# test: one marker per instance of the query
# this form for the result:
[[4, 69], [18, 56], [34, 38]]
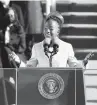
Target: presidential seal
[[51, 86]]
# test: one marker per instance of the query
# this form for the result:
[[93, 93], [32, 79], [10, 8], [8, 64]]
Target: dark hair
[[56, 19]]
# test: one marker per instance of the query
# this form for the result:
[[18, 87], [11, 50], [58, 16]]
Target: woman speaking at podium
[[52, 51]]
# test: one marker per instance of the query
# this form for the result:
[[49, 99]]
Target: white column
[[53, 5], [48, 6]]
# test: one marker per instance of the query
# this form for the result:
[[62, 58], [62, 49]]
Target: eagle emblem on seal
[[51, 85]]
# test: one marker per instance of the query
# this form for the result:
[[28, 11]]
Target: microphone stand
[[50, 60], [52, 53]]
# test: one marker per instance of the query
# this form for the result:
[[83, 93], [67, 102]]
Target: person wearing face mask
[[52, 51]]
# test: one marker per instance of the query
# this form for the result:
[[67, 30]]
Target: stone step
[[90, 86], [90, 71], [89, 26], [91, 103], [82, 43], [80, 19], [84, 14], [90, 80], [78, 31], [78, 37], [76, 1], [76, 7], [91, 94]]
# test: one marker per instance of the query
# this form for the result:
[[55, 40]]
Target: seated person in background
[[12, 37], [52, 51], [17, 42], [17, 34]]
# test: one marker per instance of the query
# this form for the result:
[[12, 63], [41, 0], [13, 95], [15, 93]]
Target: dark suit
[[17, 38], [4, 22]]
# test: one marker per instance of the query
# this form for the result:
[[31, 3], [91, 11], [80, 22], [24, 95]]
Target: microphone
[[55, 45], [46, 45]]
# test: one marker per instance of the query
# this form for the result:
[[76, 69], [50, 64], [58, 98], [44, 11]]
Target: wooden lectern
[[50, 86]]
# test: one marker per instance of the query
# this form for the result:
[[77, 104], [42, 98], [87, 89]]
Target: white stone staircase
[[90, 84]]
